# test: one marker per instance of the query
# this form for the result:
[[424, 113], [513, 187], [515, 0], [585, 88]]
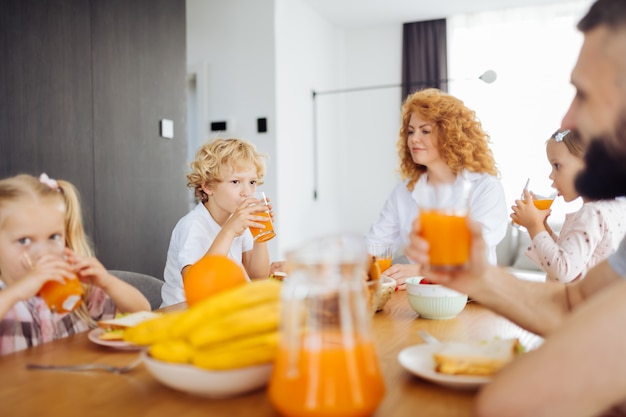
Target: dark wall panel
[[139, 78], [83, 85], [46, 119]]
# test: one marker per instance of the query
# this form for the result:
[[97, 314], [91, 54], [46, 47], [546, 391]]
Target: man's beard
[[604, 175]]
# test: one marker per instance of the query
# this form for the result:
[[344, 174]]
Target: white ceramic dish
[[94, 336], [202, 382], [419, 361], [433, 301]]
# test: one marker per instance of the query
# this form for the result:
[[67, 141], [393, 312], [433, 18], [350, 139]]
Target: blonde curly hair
[[461, 141], [217, 155]]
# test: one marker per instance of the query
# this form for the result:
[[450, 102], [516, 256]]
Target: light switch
[[167, 128]]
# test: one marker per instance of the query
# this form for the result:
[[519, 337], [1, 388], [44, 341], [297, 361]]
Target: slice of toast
[[128, 320], [483, 358]]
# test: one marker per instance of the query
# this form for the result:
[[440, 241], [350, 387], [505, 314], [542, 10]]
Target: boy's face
[[226, 195], [35, 229]]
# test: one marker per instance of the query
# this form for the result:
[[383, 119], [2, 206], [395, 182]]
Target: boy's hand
[[245, 216]]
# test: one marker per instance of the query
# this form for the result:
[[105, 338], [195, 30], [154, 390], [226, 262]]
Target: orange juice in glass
[[382, 252], [61, 297], [543, 201], [266, 233], [443, 211]]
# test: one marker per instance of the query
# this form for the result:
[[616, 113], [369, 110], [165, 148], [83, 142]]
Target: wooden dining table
[[26, 392]]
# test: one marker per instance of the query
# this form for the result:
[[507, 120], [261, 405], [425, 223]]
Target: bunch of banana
[[232, 329]]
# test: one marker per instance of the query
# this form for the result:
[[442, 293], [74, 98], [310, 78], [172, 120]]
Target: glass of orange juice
[[266, 233], [542, 195], [443, 211], [383, 253], [61, 297]]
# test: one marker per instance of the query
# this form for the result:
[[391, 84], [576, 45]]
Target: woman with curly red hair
[[441, 140]]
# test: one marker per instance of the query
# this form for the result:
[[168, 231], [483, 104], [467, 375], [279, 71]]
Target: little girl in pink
[[588, 235]]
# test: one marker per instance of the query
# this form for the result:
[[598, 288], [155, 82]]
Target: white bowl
[[213, 384], [433, 301], [387, 288]]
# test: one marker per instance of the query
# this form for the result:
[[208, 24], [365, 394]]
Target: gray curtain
[[424, 56]]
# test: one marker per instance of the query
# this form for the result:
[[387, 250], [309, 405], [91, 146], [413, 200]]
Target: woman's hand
[[400, 272]]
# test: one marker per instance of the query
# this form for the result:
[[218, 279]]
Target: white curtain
[[533, 51]]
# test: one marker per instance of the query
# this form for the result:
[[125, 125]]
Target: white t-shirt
[[487, 207], [191, 239]]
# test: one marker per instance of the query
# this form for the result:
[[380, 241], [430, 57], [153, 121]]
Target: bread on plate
[[483, 358], [114, 328]]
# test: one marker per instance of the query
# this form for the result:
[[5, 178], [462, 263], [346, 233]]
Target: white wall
[[265, 57], [232, 44], [309, 54]]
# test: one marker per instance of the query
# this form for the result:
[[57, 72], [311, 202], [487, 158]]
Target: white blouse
[[487, 207]]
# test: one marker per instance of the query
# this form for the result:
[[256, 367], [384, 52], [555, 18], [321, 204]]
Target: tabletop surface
[[26, 392]]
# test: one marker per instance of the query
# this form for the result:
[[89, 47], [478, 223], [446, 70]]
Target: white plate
[[94, 336], [212, 384], [419, 361]]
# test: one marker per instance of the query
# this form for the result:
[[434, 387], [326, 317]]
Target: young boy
[[224, 174]]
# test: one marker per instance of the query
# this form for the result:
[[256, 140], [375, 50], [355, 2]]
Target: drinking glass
[[382, 253], [443, 211], [266, 233], [61, 297], [541, 193]]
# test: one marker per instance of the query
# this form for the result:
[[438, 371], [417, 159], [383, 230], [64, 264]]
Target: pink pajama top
[[587, 237]]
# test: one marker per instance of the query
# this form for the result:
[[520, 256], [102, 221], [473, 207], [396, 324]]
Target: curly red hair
[[462, 143]]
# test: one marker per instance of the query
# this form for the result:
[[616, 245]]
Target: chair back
[[149, 286]]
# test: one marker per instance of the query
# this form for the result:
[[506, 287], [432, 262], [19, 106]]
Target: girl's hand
[[89, 270], [527, 215], [47, 268], [245, 217]]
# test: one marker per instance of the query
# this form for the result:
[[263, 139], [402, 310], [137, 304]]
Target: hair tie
[[52, 183]]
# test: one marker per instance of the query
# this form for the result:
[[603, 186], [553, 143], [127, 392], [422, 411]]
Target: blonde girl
[[39, 216], [588, 235], [224, 173]]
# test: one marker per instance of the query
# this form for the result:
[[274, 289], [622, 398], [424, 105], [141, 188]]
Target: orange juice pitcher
[[327, 363]]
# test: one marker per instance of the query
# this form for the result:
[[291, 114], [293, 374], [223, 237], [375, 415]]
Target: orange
[[211, 275]]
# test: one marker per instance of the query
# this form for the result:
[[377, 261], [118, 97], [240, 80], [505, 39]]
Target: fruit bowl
[[206, 383], [433, 301]]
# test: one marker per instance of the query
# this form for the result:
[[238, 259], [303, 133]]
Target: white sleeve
[[488, 207]]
